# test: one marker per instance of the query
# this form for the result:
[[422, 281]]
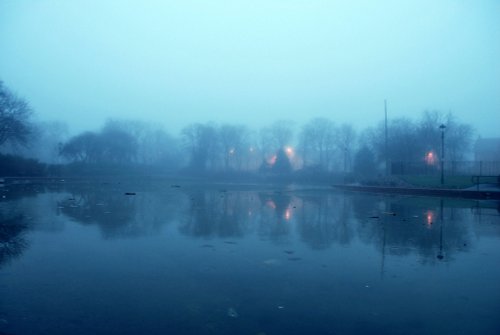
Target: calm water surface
[[89, 259]]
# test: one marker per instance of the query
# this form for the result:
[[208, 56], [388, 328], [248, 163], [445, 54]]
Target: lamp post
[[442, 127]]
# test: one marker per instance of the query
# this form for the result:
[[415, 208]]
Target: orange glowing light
[[430, 158], [430, 218], [289, 151]]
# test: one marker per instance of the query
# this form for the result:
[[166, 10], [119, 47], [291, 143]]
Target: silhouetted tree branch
[[15, 114]]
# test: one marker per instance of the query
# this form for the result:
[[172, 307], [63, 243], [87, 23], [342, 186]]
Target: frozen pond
[[187, 259]]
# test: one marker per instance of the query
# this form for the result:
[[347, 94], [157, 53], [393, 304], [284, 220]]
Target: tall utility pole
[[442, 128], [386, 153]]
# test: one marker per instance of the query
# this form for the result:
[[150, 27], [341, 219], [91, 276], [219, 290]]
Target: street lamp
[[442, 127]]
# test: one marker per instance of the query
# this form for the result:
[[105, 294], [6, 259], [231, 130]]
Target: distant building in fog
[[487, 149]]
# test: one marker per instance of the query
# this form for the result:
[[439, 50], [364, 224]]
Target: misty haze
[[249, 167]]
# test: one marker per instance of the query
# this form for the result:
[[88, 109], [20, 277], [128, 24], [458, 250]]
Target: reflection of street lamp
[[442, 128], [440, 254], [345, 159]]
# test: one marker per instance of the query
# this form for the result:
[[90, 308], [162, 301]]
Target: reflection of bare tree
[[12, 242], [486, 215], [276, 214], [325, 219], [214, 213], [401, 227], [112, 212], [118, 214], [218, 213], [395, 225]]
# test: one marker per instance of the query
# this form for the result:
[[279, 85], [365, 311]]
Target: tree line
[[283, 147]]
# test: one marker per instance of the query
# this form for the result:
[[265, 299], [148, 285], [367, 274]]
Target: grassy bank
[[450, 182]]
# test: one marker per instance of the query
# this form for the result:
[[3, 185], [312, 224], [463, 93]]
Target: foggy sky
[[252, 61]]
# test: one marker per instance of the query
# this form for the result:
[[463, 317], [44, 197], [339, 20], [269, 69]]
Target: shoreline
[[469, 194]]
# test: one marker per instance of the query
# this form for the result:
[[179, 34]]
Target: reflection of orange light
[[271, 204], [288, 214], [289, 151], [430, 217], [272, 160], [430, 158]]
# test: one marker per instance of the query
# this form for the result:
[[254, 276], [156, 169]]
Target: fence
[[451, 168]]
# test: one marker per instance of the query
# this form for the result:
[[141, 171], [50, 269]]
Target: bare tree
[[458, 138], [15, 115], [111, 145], [364, 163], [411, 141], [275, 138], [233, 144], [318, 140], [346, 138], [201, 140], [154, 145], [82, 148], [278, 135], [118, 145], [428, 130], [403, 142], [49, 138]]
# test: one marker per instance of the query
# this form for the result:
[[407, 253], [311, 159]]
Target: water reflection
[[217, 213], [325, 219], [118, 214], [425, 226], [13, 226], [276, 216], [432, 228], [98, 260]]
